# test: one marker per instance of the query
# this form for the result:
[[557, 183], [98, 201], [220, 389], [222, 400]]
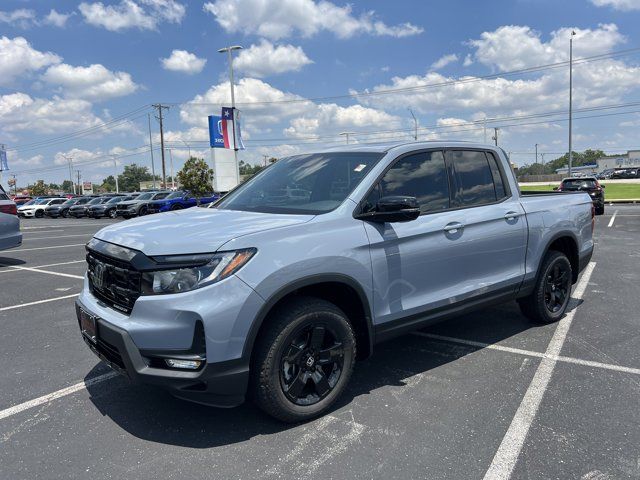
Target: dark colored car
[[62, 210], [180, 200], [21, 199], [78, 211], [139, 206], [108, 208], [586, 184], [625, 173]]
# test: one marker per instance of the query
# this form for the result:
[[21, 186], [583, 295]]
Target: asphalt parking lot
[[487, 395]]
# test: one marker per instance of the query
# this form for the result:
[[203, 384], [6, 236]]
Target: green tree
[[129, 180], [109, 184], [38, 189], [196, 177], [248, 169], [67, 186], [588, 157]]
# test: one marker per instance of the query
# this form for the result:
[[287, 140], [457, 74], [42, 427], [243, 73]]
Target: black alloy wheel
[[143, 210], [557, 286], [311, 365]]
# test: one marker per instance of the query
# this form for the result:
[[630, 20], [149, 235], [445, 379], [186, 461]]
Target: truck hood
[[194, 230]]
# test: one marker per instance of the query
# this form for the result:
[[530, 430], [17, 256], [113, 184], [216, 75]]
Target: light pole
[[571, 100], [415, 125], [115, 166], [228, 51], [346, 134]]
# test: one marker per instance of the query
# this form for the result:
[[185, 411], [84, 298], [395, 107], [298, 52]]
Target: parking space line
[[52, 396], [48, 248], [509, 450], [38, 302], [60, 236], [48, 272], [12, 268], [613, 218]]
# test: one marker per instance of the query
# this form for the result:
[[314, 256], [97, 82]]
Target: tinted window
[[497, 177], [304, 184], [145, 196], [473, 179], [159, 196], [577, 184], [421, 175]]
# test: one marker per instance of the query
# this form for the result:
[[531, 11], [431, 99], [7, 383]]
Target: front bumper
[[220, 384], [130, 212], [27, 213]]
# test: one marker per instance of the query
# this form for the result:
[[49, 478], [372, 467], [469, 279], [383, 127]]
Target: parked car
[[10, 235], [278, 299], [179, 201], [62, 209], [140, 205], [80, 210], [589, 185], [108, 208], [37, 208], [625, 173], [21, 199], [605, 174]]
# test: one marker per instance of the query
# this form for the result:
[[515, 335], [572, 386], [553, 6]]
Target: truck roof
[[386, 147]]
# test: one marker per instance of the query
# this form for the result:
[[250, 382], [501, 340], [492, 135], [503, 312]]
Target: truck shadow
[[152, 414], [10, 262]]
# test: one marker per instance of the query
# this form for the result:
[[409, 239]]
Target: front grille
[[114, 282], [122, 208], [110, 352]]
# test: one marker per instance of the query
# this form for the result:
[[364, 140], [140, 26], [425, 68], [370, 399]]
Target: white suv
[[10, 235], [36, 209]]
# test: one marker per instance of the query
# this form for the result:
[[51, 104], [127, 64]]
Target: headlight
[[185, 278]]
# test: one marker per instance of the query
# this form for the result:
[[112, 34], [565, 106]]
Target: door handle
[[511, 215], [453, 227]]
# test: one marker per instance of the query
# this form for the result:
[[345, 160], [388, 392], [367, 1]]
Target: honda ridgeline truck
[[275, 290]]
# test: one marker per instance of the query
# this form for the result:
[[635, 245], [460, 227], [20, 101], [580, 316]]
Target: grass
[[612, 191]]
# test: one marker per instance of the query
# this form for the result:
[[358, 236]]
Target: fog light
[[186, 364]]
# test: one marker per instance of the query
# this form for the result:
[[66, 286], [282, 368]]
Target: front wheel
[[113, 213], [177, 207], [303, 361], [550, 297], [143, 211], [64, 214], [39, 214]]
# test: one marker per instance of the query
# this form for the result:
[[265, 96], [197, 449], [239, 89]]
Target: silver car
[[10, 235]]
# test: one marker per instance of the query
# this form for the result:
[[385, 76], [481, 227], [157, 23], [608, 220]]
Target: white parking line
[[48, 248], [11, 268], [4, 309], [60, 236], [52, 396], [48, 231], [48, 272], [613, 218], [507, 455]]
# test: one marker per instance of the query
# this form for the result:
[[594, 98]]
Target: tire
[[176, 207], [64, 214], [143, 211], [39, 214], [553, 286], [308, 346], [600, 210], [113, 213]]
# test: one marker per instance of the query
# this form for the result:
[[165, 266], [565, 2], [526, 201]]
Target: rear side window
[[421, 175], [501, 192], [473, 179]]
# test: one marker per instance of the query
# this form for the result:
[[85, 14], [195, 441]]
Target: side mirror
[[393, 209]]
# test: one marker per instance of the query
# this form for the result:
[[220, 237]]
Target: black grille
[[114, 282]]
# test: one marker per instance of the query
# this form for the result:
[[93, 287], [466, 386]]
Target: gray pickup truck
[[276, 289]]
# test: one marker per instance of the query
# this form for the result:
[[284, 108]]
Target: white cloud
[[624, 5], [276, 19], [141, 14], [444, 61], [16, 161], [22, 17], [467, 61], [183, 61], [512, 47], [94, 82], [57, 19], [20, 112], [18, 57], [266, 59]]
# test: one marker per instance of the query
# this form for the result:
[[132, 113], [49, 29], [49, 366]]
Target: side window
[[421, 175], [472, 178], [501, 192]]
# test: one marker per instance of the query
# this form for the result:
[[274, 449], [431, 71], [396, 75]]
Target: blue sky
[[68, 66]]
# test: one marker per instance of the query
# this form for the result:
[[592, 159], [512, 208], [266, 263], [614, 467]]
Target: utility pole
[[78, 172], [115, 166], [415, 125], [571, 100], [160, 107], [153, 167], [542, 156], [536, 153], [173, 178], [346, 134], [495, 135], [484, 124], [69, 160], [266, 159]]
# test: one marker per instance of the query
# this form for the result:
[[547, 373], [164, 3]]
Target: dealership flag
[[215, 132], [3, 159], [230, 123]]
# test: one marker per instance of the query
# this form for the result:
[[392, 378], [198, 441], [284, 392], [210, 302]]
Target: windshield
[[159, 196], [42, 201], [578, 184], [30, 202], [69, 202], [95, 201], [145, 196], [303, 184], [174, 195], [116, 200]]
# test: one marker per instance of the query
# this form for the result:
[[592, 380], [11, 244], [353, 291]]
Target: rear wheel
[[550, 297], [143, 211], [64, 213], [303, 361], [600, 210]]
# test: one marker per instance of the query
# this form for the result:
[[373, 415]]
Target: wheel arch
[[564, 242], [335, 288]]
